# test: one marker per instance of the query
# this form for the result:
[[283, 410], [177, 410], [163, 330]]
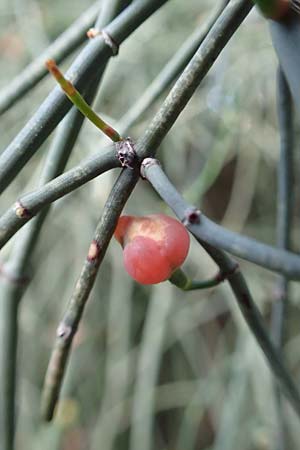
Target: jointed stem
[[68, 326], [191, 217]]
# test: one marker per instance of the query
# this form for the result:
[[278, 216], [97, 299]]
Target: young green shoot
[[76, 98]]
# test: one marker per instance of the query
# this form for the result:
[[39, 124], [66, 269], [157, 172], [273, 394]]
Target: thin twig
[[182, 281], [62, 47], [285, 196], [80, 103], [285, 199], [190, 217]]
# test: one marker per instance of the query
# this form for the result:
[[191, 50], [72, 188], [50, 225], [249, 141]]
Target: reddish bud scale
[[66, 85], [52, 67], [111, 133], [154, 246]]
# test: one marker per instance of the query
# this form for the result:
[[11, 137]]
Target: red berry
[[154, 246]]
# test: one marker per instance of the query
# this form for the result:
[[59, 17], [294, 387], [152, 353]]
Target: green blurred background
[[153, 368]]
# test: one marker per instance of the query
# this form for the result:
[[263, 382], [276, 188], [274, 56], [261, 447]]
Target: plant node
[[147, 162], [126, 152], [191, 216], [21, 211], [109, 41]]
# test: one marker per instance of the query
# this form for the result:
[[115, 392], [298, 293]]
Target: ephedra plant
[[155, 245]]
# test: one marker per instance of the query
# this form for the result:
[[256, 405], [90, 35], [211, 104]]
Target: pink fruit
[[154, 246]]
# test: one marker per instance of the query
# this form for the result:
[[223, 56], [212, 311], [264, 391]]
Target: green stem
[[8, 357], [77, 99], [69, 324], [182, 281]]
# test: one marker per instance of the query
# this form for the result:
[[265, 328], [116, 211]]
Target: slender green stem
[[9, 336], [181, 280], [285, 197], [68, 326], [77, 99], [191, 217], [285, 202]]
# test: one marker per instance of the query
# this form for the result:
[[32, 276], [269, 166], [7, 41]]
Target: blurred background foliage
[[153, 367]]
